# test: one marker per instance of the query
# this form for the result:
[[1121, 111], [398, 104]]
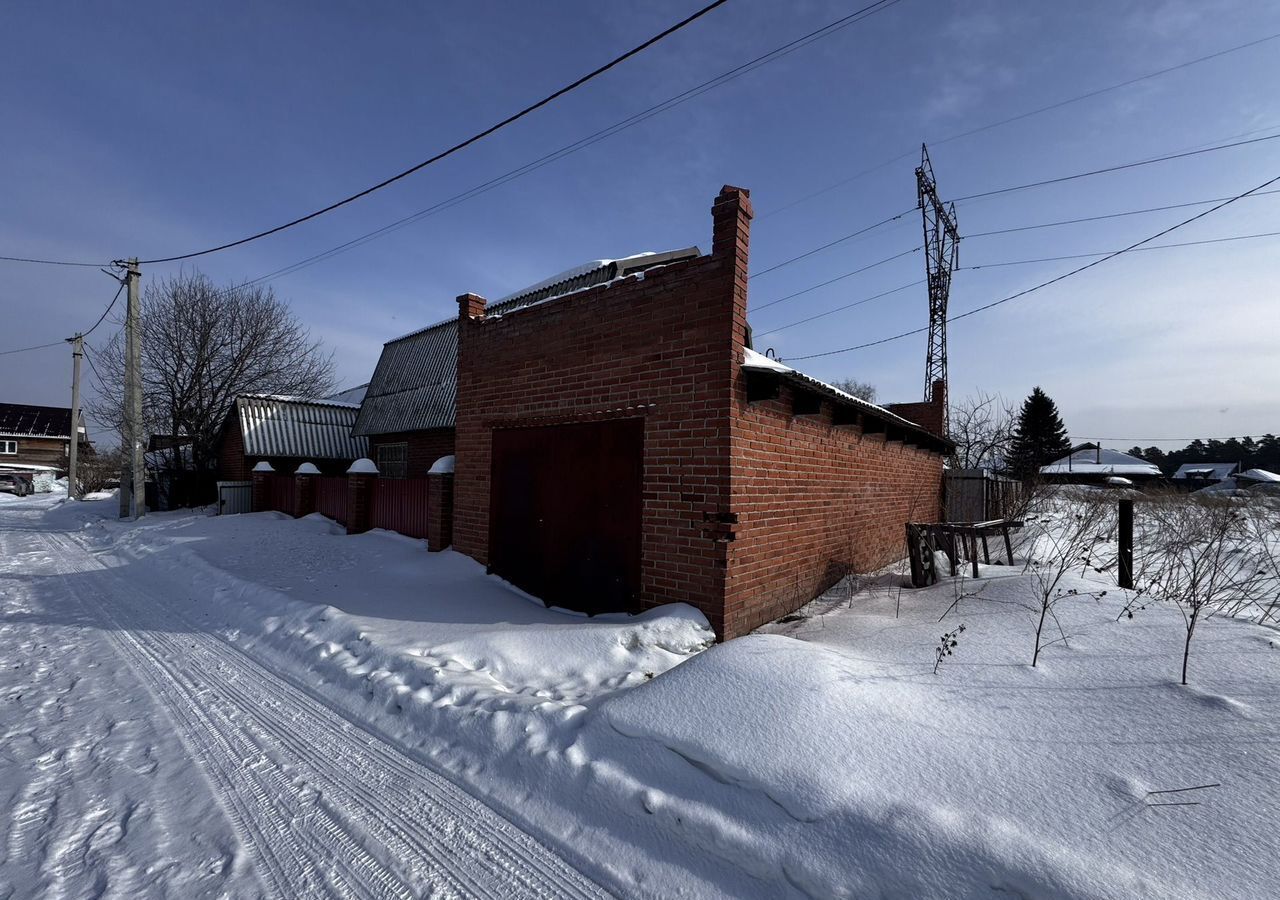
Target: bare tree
[[202, 346], [1199, 557], [982, 427], [1062, 532], [863, 390]]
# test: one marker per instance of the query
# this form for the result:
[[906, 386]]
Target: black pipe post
[[1126, 544]]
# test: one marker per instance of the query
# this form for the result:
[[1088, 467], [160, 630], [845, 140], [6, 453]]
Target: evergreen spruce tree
[[1040, 437]]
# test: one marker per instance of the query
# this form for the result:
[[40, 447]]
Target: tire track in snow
[[432, 835]]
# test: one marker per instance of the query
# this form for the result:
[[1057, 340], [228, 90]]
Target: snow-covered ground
[[232, 706]]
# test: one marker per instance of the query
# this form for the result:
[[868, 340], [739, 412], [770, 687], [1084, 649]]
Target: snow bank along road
[[193, 770]]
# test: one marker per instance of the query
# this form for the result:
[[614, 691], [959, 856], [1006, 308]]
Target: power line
[[36, 347], [979, 234], [105, 312], [1099, 218], [842, 308], [48, 262], [1054, 280], [456, 147], [839, 240], [1123, 166], [878, 262], [1221, 240], [594, 138], [1052, 106], [1017, 262]]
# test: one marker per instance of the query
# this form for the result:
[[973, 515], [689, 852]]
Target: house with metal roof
[[1091, 464], [408, 410], [618, 443], [38, 438], [287, 431], [1193, 476]]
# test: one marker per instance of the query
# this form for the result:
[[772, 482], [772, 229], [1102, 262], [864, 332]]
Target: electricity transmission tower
[[941, 256]]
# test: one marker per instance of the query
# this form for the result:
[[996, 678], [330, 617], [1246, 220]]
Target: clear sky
[[150, 129]]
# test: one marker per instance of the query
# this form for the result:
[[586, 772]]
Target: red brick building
[[620, 446]]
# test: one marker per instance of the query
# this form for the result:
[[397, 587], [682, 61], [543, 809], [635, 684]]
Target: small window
[[8, 448], [393, 460]]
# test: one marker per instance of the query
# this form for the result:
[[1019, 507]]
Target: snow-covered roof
[[1259, 475], [1095, 461], [758, 362], [1204, 471], [310, 428]]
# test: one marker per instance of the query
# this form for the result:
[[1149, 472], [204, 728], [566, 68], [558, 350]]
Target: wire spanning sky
[[149, 129]]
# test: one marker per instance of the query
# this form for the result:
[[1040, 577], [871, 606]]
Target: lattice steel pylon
[[941, 256]]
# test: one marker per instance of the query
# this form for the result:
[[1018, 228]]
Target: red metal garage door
[[564, 516]]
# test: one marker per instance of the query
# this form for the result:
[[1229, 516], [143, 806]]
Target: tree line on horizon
[[1263, 453]]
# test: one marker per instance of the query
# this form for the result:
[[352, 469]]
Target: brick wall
[[424, 447], [231, 461], [815, 502], [658, 346]]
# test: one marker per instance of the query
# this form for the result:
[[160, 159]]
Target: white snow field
[[252, 705]]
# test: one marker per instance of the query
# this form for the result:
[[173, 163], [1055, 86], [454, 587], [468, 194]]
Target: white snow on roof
[[1100, 462], [1215, 470], [350, 395], [753, 360], [573, 273], [761, 363], [1260, 475]]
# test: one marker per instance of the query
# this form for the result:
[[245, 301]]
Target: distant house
[[1091, 464], [617, 444], [1192, 476], [38, 438], [285, 432]]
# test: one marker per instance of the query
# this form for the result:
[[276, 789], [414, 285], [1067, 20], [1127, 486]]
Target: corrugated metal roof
[[299, 427], [414, 386]]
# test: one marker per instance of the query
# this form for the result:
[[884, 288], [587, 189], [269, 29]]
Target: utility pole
[[73, 483], [133, 491], [941, 256]]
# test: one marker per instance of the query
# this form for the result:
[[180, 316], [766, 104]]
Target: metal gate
[[564, 513], [235, 497]]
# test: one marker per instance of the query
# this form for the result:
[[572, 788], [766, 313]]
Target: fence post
[[440, 504], [360, 479], [261, 497], [1126, 544], [304, 490]]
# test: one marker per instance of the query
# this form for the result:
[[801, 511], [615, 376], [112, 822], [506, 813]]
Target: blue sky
[[151, 129]]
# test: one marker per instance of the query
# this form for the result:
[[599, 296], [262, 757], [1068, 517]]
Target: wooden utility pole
[[73, 482], [133, 486]]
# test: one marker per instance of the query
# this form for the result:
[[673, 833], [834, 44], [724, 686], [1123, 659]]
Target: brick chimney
[[471, 306]]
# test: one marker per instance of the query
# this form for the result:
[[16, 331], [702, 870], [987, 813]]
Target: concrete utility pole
[[133, 486], [73, 483], [941, 255]]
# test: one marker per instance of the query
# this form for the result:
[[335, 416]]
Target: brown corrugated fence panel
[[400, 504], [331, 497], [281, 492]]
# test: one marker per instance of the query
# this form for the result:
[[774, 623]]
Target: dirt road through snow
[[276, 791]]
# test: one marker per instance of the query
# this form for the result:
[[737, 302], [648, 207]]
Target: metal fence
[[400, 504], [331, 497], [235, 497], [280, 493], [980, 495]]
